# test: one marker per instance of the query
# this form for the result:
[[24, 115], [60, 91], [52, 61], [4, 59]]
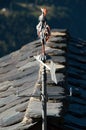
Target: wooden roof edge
[[59, 32]]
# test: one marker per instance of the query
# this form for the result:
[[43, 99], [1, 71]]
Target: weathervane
[[43, 29], [43, 32]]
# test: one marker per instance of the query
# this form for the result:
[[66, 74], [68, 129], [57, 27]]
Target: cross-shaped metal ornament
[[51, 67]]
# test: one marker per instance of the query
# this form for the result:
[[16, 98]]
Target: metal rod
[[44, 99], [43, 32]]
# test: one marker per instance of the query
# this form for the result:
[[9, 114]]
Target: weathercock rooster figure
[[43, 29]]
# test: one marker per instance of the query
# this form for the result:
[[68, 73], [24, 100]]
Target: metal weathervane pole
[[44, 99], [43, 32]]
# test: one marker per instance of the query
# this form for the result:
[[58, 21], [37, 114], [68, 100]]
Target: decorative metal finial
[[43, 29]]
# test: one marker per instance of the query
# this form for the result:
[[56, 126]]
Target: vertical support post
[[43, 32], [44, 98]]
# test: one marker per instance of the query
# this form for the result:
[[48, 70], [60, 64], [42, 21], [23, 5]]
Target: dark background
[[18, 20]]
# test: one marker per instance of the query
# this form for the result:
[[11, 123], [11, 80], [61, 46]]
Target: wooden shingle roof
[[20, 76]]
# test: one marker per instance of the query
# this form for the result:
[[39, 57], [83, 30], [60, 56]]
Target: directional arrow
[[51, 67], [52, 71]]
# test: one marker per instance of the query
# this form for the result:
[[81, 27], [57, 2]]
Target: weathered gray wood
[[53, 109], [78, 58], [57, 39], [75, 119], [55, 93], [12, 120], [76, 50], [61, 31], [5, 85], [22, 107], [76, 75], [54, 51], [58, 59], [77, 65], [19, 74], [59, 76], [56, 45], [51, 90], [78, 109]]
